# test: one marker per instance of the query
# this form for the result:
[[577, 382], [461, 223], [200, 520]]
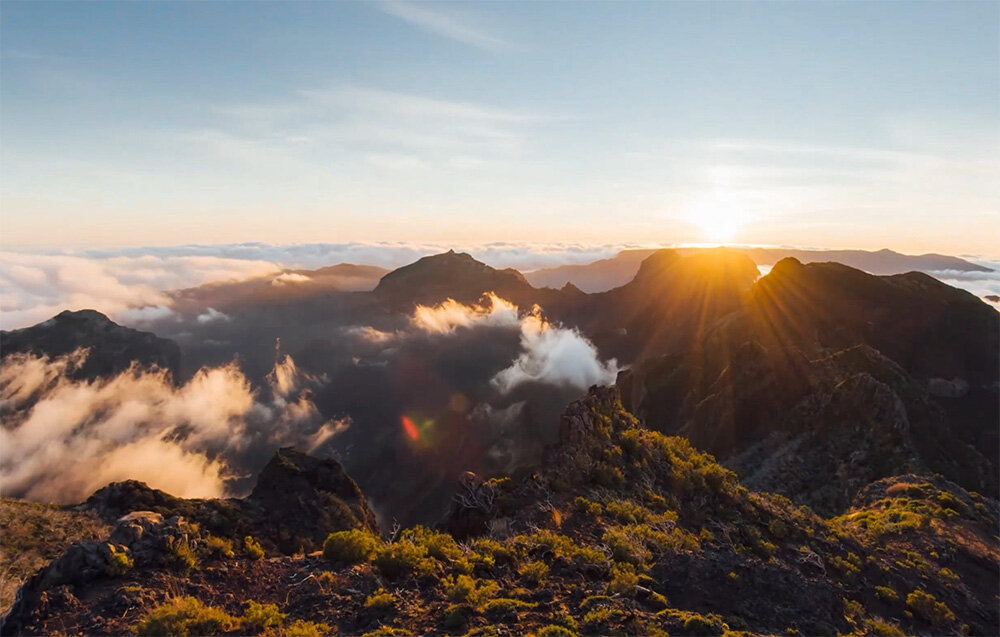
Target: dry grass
[[32, 534]]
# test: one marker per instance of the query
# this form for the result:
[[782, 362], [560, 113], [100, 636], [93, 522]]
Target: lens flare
[[410, 428]]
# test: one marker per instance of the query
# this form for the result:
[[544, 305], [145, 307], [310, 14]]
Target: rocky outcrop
[[297, 502], [112, 348]]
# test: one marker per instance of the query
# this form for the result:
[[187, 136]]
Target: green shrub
[[534, 573], [468, 590], [403, 557], [352, 546], [219, 547], [555, 631], [185, 617], [440, 546], [381, 600], [881, 628], [623, 579], [258, 617], [253, 548], [504, 607], [928, 608], [302, 628], [698, 625], [887, 594], [119, 564], [388, 631], [181, 558]]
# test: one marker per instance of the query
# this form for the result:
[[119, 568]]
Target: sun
[[719, 218]]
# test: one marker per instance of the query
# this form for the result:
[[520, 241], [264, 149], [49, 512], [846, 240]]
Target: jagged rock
[[297, 502]]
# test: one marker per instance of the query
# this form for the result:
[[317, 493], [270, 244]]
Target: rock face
[[298, 500], [112, 347]]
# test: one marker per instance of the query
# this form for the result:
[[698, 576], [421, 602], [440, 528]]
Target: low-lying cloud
[[129, 287], [62, 439]]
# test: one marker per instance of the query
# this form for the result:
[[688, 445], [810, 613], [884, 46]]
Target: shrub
[[534, 572], [927, 607], [181, 558], [440, 546], [257, 616], [587, 507], [881, 628], [302, 628], [253, 548], [404, 557], [388, 631], [503, 607], [625, 547], [351, 546], [468, 590], [185, 617], [887, 594], [698, 625], [381, 600], [456, 616], [623, 579], [219, 547], [555, 631], [120, 563]]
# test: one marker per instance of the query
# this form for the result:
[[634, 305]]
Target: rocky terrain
[[853, 416], [623, 530]]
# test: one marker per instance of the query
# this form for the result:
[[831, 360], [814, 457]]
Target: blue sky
[[842, 124]]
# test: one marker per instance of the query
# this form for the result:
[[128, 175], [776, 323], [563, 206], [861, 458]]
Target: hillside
[[622, 530]]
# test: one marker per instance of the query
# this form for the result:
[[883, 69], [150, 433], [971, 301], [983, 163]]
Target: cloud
[[61, 439], [446, 317], [289, 277], [550, 354], [212, 315], [36, 286], [556, 356], [448, 25]]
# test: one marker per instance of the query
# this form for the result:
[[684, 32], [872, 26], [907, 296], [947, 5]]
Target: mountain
[[112, 347], [279, 287], [828, 378], [610, 273], [454, 275], [672, 301], [621, 530]]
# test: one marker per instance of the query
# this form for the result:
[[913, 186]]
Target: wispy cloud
[[447, 25]]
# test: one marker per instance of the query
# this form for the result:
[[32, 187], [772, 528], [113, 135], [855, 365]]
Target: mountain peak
[[451, 274]]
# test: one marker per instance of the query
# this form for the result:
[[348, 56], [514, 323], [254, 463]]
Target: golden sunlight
[[720, 218]]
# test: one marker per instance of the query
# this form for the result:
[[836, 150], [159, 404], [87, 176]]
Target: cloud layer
[[62, 439]]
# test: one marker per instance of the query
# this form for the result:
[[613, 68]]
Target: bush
[[926, 606], [555, 631], [181, 558], [185, 617], [253, 548], [534, 573], [887, 594], [257, 616], [219, 547], [881, 628], [403, 558], [698, 625], [381, 600], [301, 628], [623, 579], [352, 546], [440, 546], [120, 563], [503, 607], [467, 590]]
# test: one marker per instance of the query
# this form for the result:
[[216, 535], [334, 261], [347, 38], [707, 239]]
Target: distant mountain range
[[610, 273]]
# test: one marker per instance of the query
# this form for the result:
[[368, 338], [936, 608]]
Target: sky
[[844, 125]]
